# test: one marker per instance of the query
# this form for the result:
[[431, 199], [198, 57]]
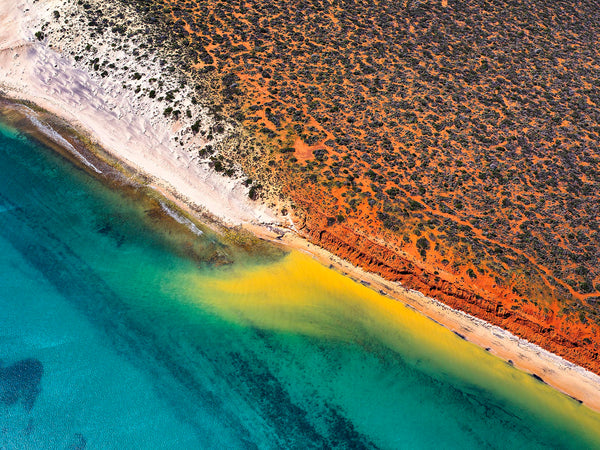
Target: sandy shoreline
[[133, 129], [135, 133]]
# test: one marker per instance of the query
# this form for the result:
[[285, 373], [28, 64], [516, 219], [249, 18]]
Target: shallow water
[[126, 332]]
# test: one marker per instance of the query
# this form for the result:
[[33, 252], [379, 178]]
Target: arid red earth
[[451, 146]]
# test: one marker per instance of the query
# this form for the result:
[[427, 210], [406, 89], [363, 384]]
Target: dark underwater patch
[[538, 378], [78, 442], [293, 424], [21, 381]]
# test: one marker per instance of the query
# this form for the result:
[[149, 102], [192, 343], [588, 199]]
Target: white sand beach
[[132, 129]]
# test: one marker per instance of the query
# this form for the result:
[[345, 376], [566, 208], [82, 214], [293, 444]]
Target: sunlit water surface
[[113, 335]]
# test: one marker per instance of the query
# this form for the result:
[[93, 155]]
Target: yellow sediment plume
[[298, 295]]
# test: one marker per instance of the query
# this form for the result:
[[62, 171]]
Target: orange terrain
[[449, 145]]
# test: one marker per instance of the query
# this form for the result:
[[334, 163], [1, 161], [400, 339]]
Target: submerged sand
[[136, 133]]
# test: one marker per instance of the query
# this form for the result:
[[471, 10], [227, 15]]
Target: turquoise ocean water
[[101, 346]]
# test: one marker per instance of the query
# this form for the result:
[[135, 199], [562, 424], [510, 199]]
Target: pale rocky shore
[[113, 104]]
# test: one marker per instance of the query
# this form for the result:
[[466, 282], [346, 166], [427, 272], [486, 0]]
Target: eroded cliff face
[[573, 341]]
